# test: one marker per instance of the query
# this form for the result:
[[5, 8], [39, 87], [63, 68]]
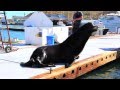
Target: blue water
[[108, 71], [13, 34]]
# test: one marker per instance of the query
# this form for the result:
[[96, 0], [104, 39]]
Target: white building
[[38, 26], [38, 19]]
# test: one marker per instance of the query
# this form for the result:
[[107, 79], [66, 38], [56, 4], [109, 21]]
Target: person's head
[[79, 12]]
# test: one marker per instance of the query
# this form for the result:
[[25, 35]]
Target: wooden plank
[[79, 68]]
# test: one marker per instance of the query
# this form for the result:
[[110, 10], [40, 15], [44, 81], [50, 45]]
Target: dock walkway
[[97, 52]]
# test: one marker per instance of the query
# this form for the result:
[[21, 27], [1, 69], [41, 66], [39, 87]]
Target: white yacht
[[111, 21]]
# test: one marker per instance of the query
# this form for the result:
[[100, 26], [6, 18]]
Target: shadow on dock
[[19, 45], [113, 49]]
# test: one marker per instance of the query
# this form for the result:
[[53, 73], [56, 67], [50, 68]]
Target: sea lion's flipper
[[67, 65], [76, 57], [28, 64], [69, 62]]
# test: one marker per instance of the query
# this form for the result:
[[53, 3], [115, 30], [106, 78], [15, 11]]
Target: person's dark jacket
[[76, 22]]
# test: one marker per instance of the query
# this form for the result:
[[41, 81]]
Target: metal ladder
[[1, 40]]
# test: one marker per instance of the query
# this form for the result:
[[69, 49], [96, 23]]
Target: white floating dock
[[10, 62]]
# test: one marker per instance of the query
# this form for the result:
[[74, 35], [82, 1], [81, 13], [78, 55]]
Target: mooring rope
[[9, 61]]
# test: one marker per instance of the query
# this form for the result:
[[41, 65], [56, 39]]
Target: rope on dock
[[9, 61]]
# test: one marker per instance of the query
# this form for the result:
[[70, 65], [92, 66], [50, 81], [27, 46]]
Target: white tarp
[[38, 19]]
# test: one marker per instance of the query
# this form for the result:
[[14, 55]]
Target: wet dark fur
[[65, 52]]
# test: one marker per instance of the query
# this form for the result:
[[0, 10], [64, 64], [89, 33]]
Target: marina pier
[[98, 51]]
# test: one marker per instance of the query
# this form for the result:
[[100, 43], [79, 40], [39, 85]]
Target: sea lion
[[65, 52]]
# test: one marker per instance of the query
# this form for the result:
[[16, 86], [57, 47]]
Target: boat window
[[107, 18], [110, 18], [118, 16], [102, 18]]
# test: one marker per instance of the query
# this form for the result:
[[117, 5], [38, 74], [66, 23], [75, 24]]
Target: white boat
[[111, 21]]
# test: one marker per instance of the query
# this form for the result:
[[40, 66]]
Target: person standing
[[77, 17], [60, 23]]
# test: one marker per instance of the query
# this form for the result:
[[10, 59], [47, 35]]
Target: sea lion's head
[[88, 27]]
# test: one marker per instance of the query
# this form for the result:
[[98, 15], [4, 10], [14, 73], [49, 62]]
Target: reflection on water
[[108, 71], [13, 26], [13, 34]]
